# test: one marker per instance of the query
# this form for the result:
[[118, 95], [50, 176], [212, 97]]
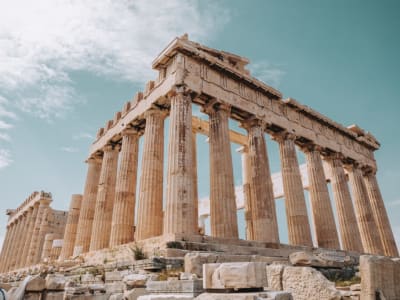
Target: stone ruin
[[102, 252]]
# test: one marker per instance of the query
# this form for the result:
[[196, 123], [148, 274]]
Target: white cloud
[[394, 203], [5, 125], [4, 137], [69, 149], [41, 42], [83, 135], [5, 158], [267, 72]]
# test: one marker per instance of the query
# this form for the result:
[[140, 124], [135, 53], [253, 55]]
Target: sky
[[66, 66]]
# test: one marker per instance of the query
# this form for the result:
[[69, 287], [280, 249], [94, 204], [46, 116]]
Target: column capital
[[243, 149], [94, 159], [283, 135], [216, 105], [328, 156], [156, 111], [253, 122], [111, 147], [130, 131], [310, 147]]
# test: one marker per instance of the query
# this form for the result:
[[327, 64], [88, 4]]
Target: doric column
[[105, 199], [349, 233], [29, 230], [150, 206], [45, 228], [368, 228], [47, 245], [10, 246], [322, 213], [86, 216], [34, 246], [123, 220], [21, 240], [71, 227], [14, 245], [223, 212], [179, 211], [380, 215], [4, 249], [263, 211], [296, 210], [246, 191], [195, 185]]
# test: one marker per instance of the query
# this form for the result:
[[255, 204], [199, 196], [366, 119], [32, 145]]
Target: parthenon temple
[[122, 203]]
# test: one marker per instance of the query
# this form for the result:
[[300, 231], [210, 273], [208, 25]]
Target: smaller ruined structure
[[32, 230]]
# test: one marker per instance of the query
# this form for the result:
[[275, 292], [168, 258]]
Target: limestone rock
[[36, 284], [115, 287], [55, 282], [175, 286], [246, 296], [113, 276], [274, 277], [166, 297], [54, 295], [194, 262], [33, 296], [235, 275], [306, 283], [135, 280], [119, 296], [134, 293]]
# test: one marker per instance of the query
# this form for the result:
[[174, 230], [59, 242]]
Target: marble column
[[34, 246], [150, 206], [32, 219], [322, 213], [10, 247], [123, 220], [263, 211], [349, 233], [180, 208], [223, 211], [45, 228], [14, 245], [4, 248], [20, 241], [368, 228], [299, 229], [85, 223], [246, 191], [195, 185], [48, 244], [71, 227], [105, 199], [380, 215]]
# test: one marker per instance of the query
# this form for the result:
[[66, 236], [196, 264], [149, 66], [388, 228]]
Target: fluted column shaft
[[349, 232], [179, 210], [223, 211], [105, 199], [31, 224], [13, 245], [45, 228], [195, 184], [263, 211], [123, 220], [71, 227], [4, 248], [34, 246], [322, 213], [150, 206], [296, 210], [380, 215], [246, 191], [47, 245], [20, 241], [85, 223]]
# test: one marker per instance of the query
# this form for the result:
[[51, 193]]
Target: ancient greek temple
[[218, 82]]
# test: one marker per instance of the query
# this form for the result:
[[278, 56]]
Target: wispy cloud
[[5, 158], [69, 149], [394, 203], [4, 137], [83, 135], [43, 41], [269, 73]]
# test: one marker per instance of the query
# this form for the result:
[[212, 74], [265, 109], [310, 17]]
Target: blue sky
[[67, 66]]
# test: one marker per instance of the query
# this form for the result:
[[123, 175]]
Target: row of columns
[[25, 237], [111, 190]]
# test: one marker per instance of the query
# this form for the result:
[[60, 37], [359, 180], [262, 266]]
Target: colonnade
[[110, 189]]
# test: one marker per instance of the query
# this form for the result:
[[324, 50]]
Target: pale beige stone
[[322, 213], [122, 228], [150, 206], [105, 199], [180, 207], [274, 276], [71, 227], [85, 223], [32, 218], [36, 284], [223, 218], [306, 283], [296, 211]]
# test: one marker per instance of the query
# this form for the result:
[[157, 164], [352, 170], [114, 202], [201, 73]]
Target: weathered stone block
[[246, 296], [274, 277], [235, 275], [115, 287], [135, 280], [306, 283], [324, 259], [36, 284], [55, 282], [33, 296], [119, 296], [135, 293], [113, 276], [166, 297], [54, 296], [175, 286]]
